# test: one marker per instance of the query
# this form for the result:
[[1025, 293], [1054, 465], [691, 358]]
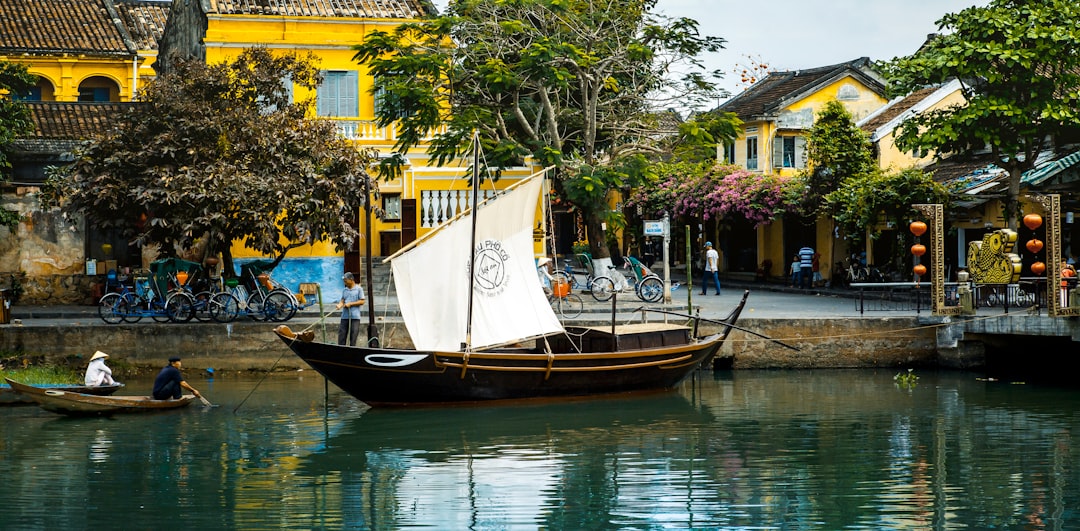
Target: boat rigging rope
[[863, 333]]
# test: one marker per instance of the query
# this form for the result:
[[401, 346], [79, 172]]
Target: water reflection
[[798, 450]]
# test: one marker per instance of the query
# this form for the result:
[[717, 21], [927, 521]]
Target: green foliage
[[699, 136], [837, 150], [14, 122], [571, 83], [906, 380], [1019, 66], [219, 151], [869, 200]]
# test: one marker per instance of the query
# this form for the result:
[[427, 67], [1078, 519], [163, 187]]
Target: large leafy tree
[[1019, 66], [571, 83], [220, 152], [837, 150], [14, 121]]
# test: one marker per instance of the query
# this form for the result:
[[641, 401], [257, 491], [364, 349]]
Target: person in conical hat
[[97, 373]]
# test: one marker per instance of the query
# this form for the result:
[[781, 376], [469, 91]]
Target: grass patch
[[43, 375]]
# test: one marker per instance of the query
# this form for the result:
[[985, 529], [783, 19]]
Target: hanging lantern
[[919, 270], [1038, 268], [917, 228], [1034, 245], [1033, 221], [918, 249]]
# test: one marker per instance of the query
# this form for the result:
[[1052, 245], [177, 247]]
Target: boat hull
[[398, 377], [8, 396], [70, 403]]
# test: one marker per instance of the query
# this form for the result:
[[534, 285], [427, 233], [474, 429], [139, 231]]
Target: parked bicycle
[[601, 287], [647, 285], [130, 303], [563, 300], [267, 300]]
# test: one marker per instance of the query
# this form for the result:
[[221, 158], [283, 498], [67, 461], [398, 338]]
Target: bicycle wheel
[[602, 288], [130, 308], [201, 306], [224, 307], [179, 307], [650, 289], [569, 306], [109, 308], [561, 276], [279, 306], [255, 305]]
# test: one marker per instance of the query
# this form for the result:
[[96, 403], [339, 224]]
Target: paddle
[[205, 402]]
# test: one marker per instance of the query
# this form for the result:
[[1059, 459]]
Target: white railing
[[437, 206], [368, 130]]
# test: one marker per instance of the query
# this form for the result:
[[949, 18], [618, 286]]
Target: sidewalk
[[767, 300]]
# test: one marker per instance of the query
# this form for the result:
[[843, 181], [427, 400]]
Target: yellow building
[[83, 50], [777, 112], [423, 196]]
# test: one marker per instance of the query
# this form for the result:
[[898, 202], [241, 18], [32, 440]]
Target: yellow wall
[[889, 156], [65, 74]]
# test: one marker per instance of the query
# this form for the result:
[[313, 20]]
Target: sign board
[[654, 228]]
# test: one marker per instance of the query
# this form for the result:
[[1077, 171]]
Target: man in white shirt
[[712, 263]]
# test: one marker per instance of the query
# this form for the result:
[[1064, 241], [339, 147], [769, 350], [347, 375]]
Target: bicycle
[[601, 287], [268, 301], [131, 304], [563, 300], [647, 285]]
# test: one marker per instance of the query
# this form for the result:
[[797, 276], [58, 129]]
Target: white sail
[[432, 278]]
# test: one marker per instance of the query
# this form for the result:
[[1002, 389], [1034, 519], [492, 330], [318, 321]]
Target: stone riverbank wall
[[245, 345]]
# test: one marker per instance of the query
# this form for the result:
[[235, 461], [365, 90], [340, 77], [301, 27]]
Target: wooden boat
[[8, 396], [483, 329], [70, 403]]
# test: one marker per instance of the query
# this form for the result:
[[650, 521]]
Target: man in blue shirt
[[806, 263], [169, 382], [351, 305]]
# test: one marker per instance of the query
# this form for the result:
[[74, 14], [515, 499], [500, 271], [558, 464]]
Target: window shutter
[[322, 95], [777, 153], [800, 152], [350, 98]]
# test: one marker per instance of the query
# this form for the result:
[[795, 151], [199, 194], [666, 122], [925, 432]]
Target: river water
[[745, 449]]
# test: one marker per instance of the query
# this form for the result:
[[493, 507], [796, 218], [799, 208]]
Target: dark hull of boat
[[8, 396], [644, 360], [70, 403]]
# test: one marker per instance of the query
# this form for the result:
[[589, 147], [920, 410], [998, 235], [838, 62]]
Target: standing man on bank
[[170, 381], [806, 263], [712, 263], [351, 304]]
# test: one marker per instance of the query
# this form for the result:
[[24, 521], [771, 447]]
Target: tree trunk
[[594, 231]]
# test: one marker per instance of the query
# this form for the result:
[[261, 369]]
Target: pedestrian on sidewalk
[[806, 267], [795, 271], [712, 261], [351, 303]]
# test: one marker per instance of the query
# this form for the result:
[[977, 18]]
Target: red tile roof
[[91, 27], [897, 109], [325, 8], [768, 96], [73, 120], [144, 20]]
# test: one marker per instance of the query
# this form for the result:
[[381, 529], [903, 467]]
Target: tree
[[220, 152], [1019, 66], [14, 121], [865, 202], [837, 150], [571, 83]]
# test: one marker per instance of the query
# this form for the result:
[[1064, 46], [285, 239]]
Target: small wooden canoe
[[8, 396], [70, 403]]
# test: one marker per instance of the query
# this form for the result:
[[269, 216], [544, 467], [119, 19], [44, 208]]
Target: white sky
[[795, 34]]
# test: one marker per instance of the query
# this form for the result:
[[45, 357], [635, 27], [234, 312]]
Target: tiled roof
[[766, 97], [325, 8], [896, 109], [90, 27], [145, 20], [73, 120]]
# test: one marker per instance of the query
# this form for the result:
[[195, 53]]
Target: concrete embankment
[[827, 342]]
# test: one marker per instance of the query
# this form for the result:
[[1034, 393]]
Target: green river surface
[[727, 450]]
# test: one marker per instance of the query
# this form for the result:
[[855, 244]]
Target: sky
[[797, 34]]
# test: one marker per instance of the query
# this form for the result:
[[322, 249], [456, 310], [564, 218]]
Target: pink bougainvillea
[[717, 193]]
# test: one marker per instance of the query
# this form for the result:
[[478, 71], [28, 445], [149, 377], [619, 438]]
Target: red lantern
[[917, 228], [919, 270], [1033, 221], [1038, 268], [918, 249], [1034, 245]]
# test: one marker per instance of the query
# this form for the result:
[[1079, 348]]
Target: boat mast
[[467, 345]]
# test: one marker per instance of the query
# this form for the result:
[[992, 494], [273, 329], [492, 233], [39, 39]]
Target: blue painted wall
[[325, 270]]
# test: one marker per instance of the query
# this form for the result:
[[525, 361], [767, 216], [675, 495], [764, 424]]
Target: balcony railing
[[437, 206], [369, 131]]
